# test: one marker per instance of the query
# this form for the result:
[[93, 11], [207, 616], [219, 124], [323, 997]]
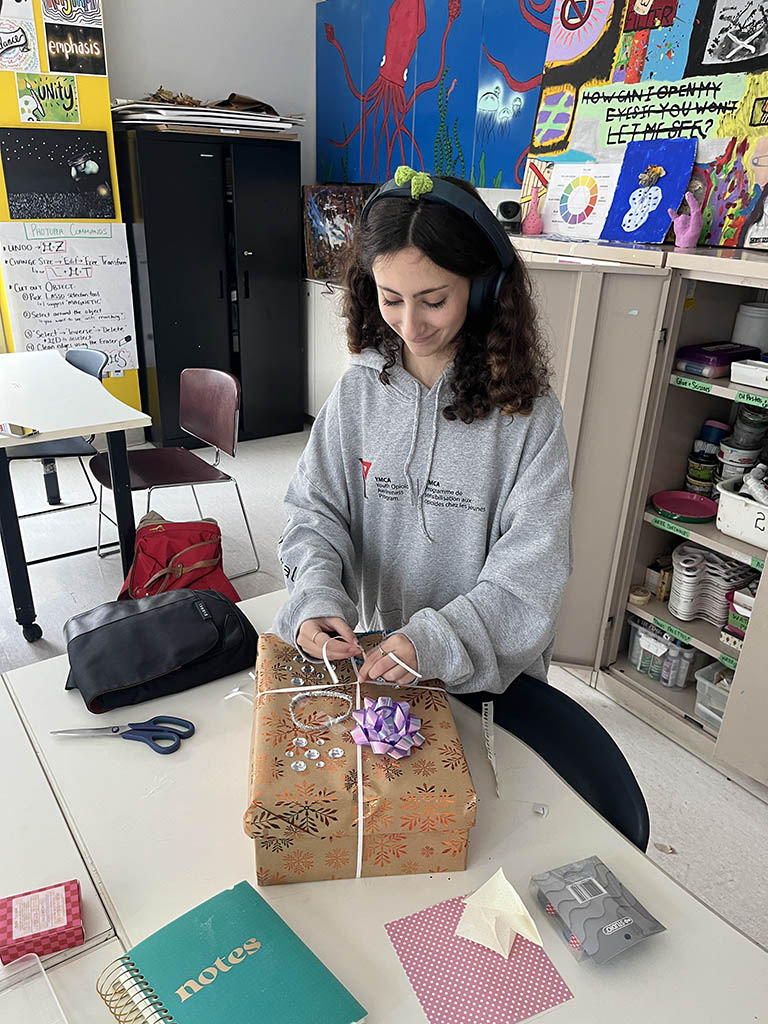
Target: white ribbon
[[486, 714]]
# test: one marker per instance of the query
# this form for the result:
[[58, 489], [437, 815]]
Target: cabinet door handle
[[247, 252], [247, 284]]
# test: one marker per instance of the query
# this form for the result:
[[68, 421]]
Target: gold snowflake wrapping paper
[[417, 812]]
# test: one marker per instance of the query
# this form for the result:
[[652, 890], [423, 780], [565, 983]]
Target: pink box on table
[[41, 921]]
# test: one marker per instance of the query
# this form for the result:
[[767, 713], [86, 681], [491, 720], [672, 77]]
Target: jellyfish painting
[[384, 105], [506, 104]]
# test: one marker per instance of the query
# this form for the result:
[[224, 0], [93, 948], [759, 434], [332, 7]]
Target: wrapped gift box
[[416, 811]]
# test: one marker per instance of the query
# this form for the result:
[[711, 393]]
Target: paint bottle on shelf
[[685, 667], [669, 670]]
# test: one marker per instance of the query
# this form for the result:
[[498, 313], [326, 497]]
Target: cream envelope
[[494, 914]]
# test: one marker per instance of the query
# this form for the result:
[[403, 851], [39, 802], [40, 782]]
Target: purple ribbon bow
[[387, 726]]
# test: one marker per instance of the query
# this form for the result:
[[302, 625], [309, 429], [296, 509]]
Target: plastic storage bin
[[656, 655], [752, 372], [711, 699], [714, 358], [741, 516], [26, 996], [751, 326]]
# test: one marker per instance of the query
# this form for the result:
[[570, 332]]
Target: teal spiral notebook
[[230, 959]]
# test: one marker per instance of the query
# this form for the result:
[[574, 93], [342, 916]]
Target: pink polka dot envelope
[[456, 979]]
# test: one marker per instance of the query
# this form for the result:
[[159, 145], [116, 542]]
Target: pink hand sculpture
[[687, 227], [533, 224]]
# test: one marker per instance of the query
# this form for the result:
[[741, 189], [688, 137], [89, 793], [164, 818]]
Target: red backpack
[[172, 556]]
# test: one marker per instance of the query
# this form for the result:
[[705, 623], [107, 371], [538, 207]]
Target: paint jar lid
[[714, 431], [639, 595]]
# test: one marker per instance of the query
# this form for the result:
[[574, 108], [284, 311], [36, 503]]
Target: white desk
[[164, 833], [44, 391], [38, 847]]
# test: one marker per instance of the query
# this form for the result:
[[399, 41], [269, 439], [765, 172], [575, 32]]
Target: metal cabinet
[[614, 318], [698, 303], [215, 243]]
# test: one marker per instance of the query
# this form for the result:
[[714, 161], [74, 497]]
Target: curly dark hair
[[501, 359]]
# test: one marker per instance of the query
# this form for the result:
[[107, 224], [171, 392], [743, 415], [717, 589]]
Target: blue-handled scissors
[[163, 733]]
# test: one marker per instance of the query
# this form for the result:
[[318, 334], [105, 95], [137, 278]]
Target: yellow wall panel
[[95, 115]]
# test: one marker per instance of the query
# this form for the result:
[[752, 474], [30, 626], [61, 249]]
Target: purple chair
[[209, 409]]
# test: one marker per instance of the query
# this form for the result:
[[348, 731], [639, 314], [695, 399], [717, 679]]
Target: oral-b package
[[597, 915]]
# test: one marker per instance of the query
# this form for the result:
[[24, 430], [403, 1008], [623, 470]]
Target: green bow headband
[[420, 180]]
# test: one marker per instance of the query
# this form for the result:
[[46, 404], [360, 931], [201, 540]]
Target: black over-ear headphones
[[483, 290]]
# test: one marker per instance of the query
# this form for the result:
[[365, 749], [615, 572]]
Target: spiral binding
[[128, 995]]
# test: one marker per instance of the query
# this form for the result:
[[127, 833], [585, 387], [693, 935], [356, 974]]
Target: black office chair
[[577, 747], [92, 362]]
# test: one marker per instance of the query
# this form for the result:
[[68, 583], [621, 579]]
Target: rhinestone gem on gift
[[290, 753], [319, 742], [300, 741], [319, 764], [307, 670], [312, 755], [335, 752], [299, 766], [297, 681]]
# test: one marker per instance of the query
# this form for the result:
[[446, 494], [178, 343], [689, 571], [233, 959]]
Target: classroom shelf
[[722, 387], [708, 535], [681, 702], [698, 633]]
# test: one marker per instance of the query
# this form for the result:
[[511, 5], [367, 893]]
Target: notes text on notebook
[[230, 959]]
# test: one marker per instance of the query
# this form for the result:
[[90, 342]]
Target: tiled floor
[[718, 832]]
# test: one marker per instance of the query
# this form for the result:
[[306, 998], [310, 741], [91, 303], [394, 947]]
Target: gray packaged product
[[597, 916]]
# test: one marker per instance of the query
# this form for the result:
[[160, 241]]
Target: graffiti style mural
[[446, 86], [645, 71], [500, 91]]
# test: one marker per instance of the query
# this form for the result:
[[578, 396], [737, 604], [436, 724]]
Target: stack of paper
[[173, 114]]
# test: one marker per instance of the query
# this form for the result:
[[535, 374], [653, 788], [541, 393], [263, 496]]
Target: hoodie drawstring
[[432, 444], [414, 435]]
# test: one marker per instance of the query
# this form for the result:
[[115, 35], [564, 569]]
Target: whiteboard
[[68, 285]]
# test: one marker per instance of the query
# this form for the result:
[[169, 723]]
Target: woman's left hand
[[378, 666]]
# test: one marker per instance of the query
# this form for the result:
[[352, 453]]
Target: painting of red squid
[[384, 105], [445, 86]]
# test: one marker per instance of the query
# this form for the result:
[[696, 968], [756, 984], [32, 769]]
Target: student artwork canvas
[[53, 174], [48, 98], [330, 213], [72, 12], [18, 41], [654, 177], [620, 72]]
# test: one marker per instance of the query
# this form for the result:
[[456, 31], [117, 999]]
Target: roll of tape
[[639, 595]]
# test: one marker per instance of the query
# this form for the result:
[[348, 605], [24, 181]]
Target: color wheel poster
[[578, 199]]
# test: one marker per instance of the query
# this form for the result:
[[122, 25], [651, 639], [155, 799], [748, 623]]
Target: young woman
[[433, 497]]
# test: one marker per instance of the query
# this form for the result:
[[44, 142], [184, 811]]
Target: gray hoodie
[[455, 534]]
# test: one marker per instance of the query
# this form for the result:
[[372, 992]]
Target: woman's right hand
[[313, 633]]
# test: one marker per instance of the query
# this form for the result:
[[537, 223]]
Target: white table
[[42, 850], [42, 390], [164, 833]]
